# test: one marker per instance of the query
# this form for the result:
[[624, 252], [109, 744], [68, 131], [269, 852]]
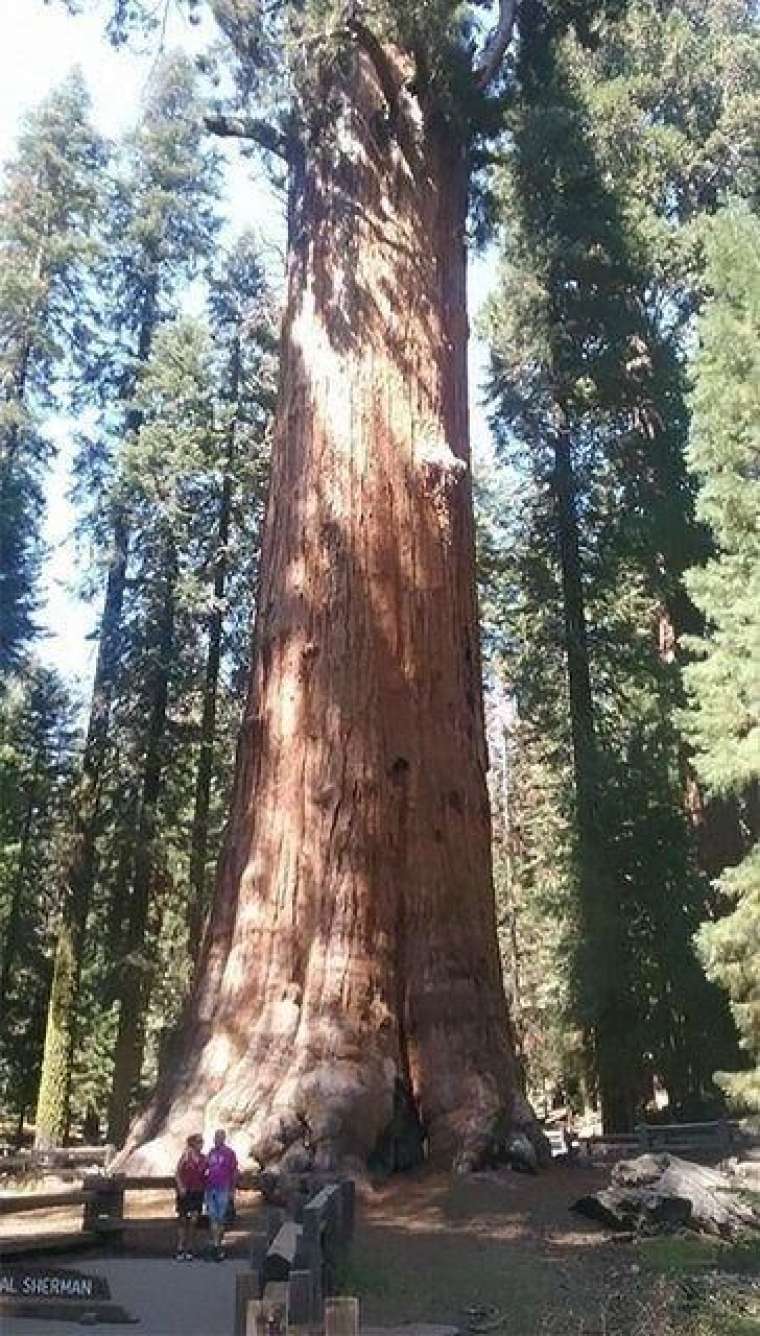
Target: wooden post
[[300, 1300], [104, 1214], [246, 1289], [258, 1242], [347, 1210], [342, 1317], [275, 1219]]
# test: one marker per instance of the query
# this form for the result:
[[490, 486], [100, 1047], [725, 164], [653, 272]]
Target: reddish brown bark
[[352, 942]]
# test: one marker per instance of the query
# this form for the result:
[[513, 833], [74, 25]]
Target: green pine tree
[[723, 724], [193, 480], [37, 761], [162, 228], [49, 208], [588, 377]]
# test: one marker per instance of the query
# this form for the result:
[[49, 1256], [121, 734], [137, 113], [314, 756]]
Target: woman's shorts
[[188, 1204], [217, 1203]]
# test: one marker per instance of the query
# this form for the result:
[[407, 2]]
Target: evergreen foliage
[[621, 129], [192, 481], [724, 683], [48, 222], [37, 759], [588, 340], [161, 227]]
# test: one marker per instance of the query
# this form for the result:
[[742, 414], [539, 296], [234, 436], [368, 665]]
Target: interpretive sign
[[38, 1282]]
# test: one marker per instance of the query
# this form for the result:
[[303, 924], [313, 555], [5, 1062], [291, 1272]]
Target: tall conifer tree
[[724, 684], [163, 224], [37, 764], [193, 479], [48, 215], [588, 375]]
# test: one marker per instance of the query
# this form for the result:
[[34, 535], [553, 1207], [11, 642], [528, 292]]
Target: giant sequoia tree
[[350, 962]]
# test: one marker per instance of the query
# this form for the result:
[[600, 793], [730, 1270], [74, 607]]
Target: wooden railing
[[101, 1197], [293, 1266], [65, 1160], [719, 1137]]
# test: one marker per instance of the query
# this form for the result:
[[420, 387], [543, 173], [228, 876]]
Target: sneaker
[[219, 1255], [188, 1256], [179, 1256]]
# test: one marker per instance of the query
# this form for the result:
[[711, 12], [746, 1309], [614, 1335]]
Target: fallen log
[[659, 1193]]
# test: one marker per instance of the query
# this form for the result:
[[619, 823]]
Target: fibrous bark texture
[[351, 951], [656, 1193]]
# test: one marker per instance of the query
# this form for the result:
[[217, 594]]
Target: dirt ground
[[429, 1247]]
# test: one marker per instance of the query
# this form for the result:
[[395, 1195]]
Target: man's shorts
[[217, 1203], [189, 1204]]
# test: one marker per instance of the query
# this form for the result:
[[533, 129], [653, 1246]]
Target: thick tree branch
[[393, 90], [249, 127], [386, 75], [495, 48]]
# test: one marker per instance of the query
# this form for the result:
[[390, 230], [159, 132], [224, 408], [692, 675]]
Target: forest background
[[617, 516]]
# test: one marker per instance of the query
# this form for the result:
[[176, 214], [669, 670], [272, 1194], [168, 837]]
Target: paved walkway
[[169, 1298], [173, 1299]]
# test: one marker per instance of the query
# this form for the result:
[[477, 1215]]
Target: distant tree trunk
[[10, 436], [54, 1095], [11, 942], [351, 951], [52, 1118], [602, 961], [135, 973], [122, 884], [198, 904]]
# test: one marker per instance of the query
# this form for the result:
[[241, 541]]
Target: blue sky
[[39, 45]]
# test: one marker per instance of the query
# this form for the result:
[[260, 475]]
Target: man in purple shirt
[[221, 1179]]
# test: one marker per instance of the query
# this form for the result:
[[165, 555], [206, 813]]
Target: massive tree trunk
[[351, 951]]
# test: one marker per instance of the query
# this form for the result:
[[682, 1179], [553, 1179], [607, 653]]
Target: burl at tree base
[[349, 998]]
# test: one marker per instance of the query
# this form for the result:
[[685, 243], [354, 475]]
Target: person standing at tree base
[[191, 1182], [221, 1179]]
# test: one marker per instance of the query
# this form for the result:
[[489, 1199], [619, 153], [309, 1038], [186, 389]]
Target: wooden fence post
[[300, 1300], [246, 1288], [342, 1317], [258, 1242], [347, 1209], [104, 1214], [275, 1218]]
